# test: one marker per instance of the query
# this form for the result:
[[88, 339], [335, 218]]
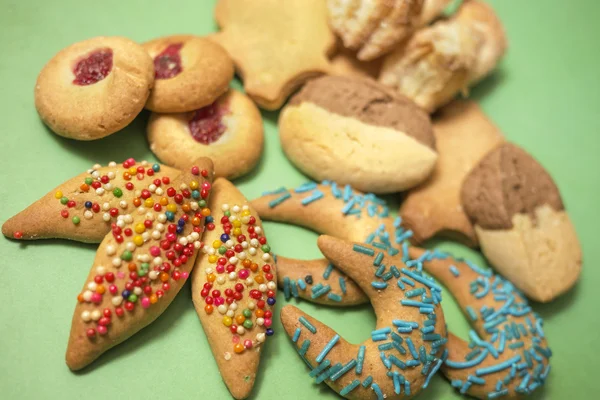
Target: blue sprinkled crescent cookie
[[335, 210], [521, 223], [356, 131], [406, 348], [507, 355]]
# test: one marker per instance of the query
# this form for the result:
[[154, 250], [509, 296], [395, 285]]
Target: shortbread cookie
[[439, 61], [229, 131], [520, 221], [135, 277], [432, 9], [85, 207], [296, 33], [463, 136], [234, 287], [407, 346], [345, 63], [355, 131], [337, 211], [507, 356], [94, 88], [191, 73]]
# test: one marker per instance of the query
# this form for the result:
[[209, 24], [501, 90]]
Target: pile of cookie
[[371, 110]]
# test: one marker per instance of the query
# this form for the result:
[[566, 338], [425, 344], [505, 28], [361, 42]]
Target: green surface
[[545, 97]]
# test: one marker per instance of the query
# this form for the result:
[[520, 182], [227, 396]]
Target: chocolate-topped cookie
[[356, 131], [521, 222]]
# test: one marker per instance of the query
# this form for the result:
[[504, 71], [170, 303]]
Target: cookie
[[407, 346], [94, 88], [345, 63], [441, 60], [296, 34], [191, 72], [507, 356], [229, 131], [234, 287], [84, 207], [333, 210], [136, 276], [463, 136], [355, 131], [520, 221], [432, 9]]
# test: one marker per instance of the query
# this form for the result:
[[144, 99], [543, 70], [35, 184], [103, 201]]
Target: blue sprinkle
[[411, 348], [337, 193], [473, 354], [379, 285], [524, 383], [377, 391], [360, 359], [380, 271], [397, 338], [301, 283], [335, 368], [370, 238], [397, 387], [343, 284], [286, 287], [307, 324], [378, 259], [276, 191], [401, 285], [415, 292], [545, 373], [405, 329], [296, 335], [407, 281], [397, 362], [302, 351], [497, 394], [385, 361], [324, 375], [397, 221], [279, 200], [407, 387], [350, 387], [334, 297], [379, 245], [434, 370], [439, 343], [394, 270], [466, 386], [327, 348], [476, 380], [405, 235], [316, 195], [385, 330], [320, 292], [306, 187], [498, 385], [367, 381], [364, 250], [328, 271], [387, 276], [319, 368], [431, 337], [422, 354], [413, 303], [535, 355], [502, 342], [456, 383], [379, 337], [421, 279], [427, 329], [413, 363], [344, 370], [347, 193], [454, 270], [468, 364], [401, 323], [498, 367]]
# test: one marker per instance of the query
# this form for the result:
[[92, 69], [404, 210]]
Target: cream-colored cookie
[[463, 136], [234, 287], [521, 224], [407, 346], [84, 207], [439, 61], [136, 275], [353, 131], [295, 32], [507, 355], [191, 72], [94, 88], [229, 131]]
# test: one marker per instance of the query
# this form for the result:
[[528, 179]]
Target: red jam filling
[[206, 126], [93, 68], [168, 63]]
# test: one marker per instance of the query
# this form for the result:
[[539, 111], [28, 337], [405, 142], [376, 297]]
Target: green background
[[545, 97]]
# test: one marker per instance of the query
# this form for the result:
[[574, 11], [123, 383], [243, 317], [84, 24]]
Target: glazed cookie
[[84, 207], [407, 346], [233, 288], [191, 72], [520, 221], [333, 210], [463, 136], [355, 131], [296, 30], [507, 356], [94, 88], [439, 61], [135, 277], [229, 131]]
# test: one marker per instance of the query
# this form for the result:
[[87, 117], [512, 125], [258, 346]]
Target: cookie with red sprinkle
[[234, 284], [94, 88], [135, 277], [190, 71], [229, 131]]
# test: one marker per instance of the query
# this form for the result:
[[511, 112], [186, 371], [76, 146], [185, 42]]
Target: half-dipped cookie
[[355, 131], [229, 131], [191, 72], [94, 88], [521, 223]]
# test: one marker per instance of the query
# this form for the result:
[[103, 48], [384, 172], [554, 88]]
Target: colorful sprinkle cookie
[[463, 136], [191, 72], [520, 221], [234, 287], [228, 131], [507, 355], [358, 132], [407, 346], [135, 277], [439, 61], [94, 88], [297, 32], [84, 207]]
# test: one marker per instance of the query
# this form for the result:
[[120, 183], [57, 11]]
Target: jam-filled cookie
[[94, 88], [229, 131], [191, 72]]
